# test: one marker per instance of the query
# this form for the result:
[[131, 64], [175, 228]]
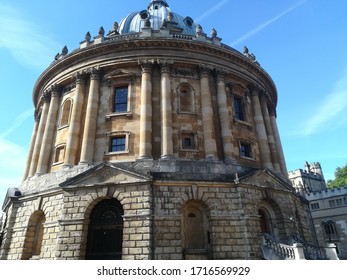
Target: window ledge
[[189, 150], [248, 158], [186, 112], [242, 122], [117, 153], [128, 114], [63, 126]]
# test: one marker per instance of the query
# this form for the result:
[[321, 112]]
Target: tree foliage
[[340, 178]]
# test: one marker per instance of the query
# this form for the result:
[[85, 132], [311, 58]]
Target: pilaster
[[49, 132], [260, 128], [32, 145], [75, 123], [278, 143], [145, 145], [224, 118], [88, 140], [166, 112], [207, 115], [270, 135], [46, 97]]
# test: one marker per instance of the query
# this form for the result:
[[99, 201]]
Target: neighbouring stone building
[[153, 141], [328, 206]]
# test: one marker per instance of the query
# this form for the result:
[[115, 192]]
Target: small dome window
[[144, 14], [188, 21]]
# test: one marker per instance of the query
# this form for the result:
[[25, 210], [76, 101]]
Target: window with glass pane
[[239, 110], [246, 150], [118, 144], [121, 99]]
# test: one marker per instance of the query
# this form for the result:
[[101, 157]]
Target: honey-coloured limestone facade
[[154, 141]]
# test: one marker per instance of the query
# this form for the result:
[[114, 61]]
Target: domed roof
[[157, 15]]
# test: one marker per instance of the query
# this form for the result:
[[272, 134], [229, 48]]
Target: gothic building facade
[[153, 141]]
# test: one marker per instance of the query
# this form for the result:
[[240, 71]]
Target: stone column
[[260, 129], [75, 123], [48, 136], [207, 116], [38, 142], [32, 145], [278, 143], [166, 113], [88, 140], [145, 145], [270, 135], [224, 119]]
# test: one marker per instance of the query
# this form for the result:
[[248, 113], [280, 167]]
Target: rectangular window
[[239, 109], [315, 206], [188, 141], [246, 150], [121, 99], [118, 144]]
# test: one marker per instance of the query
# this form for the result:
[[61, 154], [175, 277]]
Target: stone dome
[[157, 15]]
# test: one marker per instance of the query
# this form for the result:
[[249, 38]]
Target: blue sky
[[301, 44]]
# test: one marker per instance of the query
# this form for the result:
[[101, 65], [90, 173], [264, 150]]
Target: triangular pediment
[[121, 73], [267, 179], [105, 174]]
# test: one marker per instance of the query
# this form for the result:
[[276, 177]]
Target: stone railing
[[311, 252], [273, 250]]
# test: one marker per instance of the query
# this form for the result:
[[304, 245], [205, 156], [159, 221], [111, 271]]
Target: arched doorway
[[34, 236], [105, 232], [195, 239]]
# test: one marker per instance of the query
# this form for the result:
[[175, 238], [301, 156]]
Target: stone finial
[[198, 29], [87, 37], [115, 26], [64, 51], [245, 50], [101, 31], [214, 33], [170, 16]]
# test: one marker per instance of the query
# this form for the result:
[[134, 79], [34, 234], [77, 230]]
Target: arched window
[[186, 103], [34, 236], [65, 113], [105, 232], [265, 224]]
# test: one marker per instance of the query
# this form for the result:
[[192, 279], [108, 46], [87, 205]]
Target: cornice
[[226, 53]]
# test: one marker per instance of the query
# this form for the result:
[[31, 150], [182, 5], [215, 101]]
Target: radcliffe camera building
[[154, 141]]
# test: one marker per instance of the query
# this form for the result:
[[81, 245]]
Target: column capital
[[55, 90], [46, 96], [205, 70], [273, 111], [165, 65], [221, 75], [80, 78], [255, 89], [94, 73], [146, 65]]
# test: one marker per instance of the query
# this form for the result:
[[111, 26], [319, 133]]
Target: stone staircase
[[300, 250]]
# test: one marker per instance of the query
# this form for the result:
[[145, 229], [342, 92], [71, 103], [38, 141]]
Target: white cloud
[[19, 120], [265, 24], [211, 11], [331, 112], [12, 164], [28, 43]]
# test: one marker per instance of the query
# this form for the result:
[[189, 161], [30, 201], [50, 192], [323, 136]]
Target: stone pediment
[[105, 174], [267, 179]]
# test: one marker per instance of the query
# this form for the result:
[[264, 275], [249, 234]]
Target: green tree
[[340, 178]]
